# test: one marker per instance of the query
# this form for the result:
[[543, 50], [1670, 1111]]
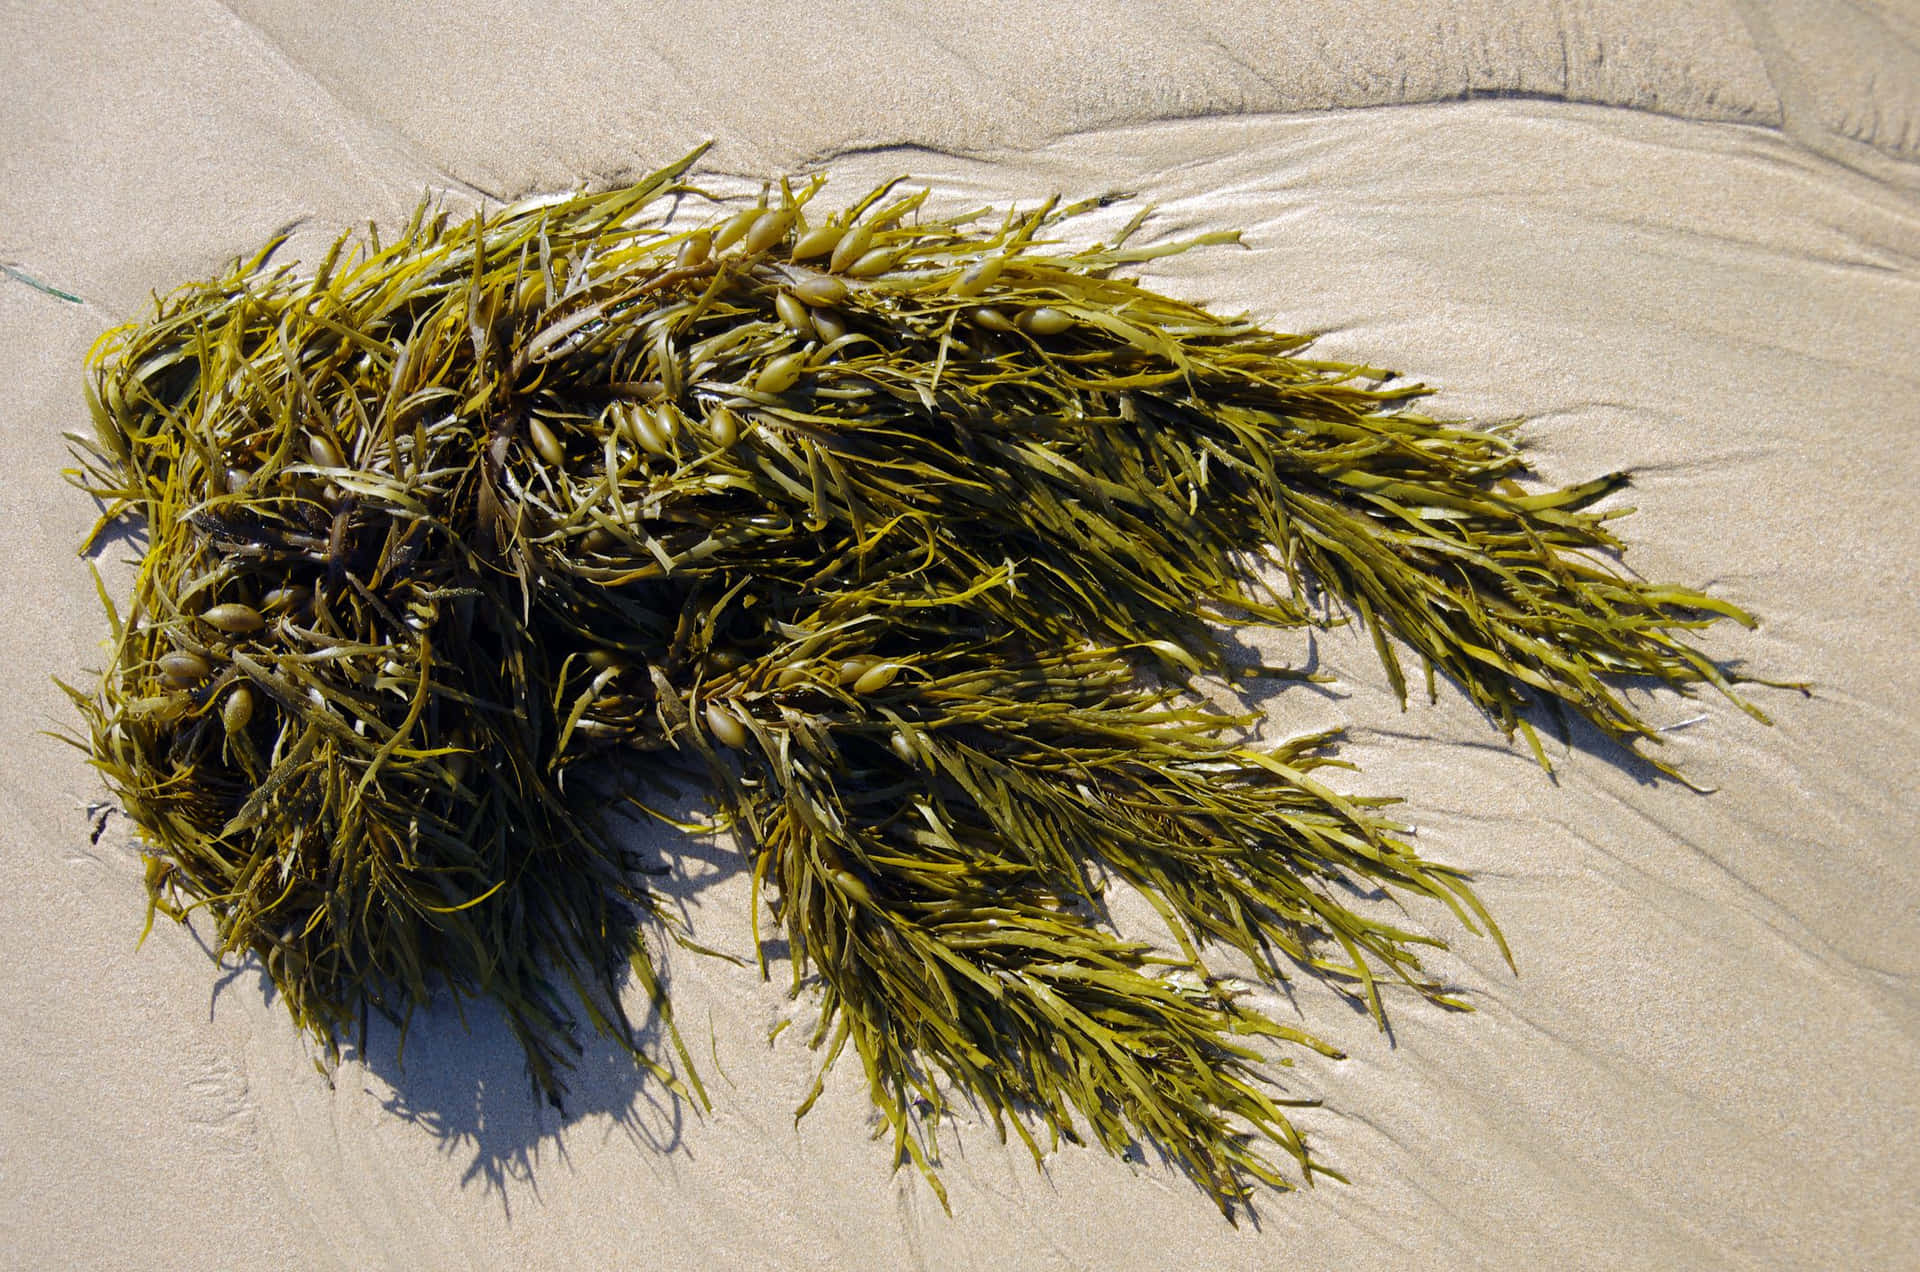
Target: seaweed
[[913, 536]]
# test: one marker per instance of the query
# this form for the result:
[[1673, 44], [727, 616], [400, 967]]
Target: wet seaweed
[[913, 535]]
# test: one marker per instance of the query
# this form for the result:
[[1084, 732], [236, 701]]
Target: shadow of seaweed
[[461, 1079], [456, 1070], [1553, 720]]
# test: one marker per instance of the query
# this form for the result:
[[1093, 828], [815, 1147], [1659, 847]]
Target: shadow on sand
[[460, 1075]]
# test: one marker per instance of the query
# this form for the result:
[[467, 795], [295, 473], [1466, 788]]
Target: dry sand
[[1680, 237]]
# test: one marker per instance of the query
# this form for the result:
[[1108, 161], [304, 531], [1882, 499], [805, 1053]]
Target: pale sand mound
[[1709, 1058]]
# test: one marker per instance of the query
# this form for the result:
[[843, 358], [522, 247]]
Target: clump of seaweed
[[909, 533]]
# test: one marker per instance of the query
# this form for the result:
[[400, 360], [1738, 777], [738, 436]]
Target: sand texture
[[1682, 238]]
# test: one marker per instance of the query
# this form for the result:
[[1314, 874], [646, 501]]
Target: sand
[[1681, 238]]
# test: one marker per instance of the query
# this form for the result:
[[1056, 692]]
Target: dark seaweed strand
[[892, 524]]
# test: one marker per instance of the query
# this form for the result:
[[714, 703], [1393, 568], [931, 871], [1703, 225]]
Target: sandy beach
[[1677, 238]]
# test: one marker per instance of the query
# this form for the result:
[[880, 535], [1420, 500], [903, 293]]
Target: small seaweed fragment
[[908, 532]]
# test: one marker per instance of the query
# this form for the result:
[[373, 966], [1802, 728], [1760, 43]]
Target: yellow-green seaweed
[[907, 532]]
